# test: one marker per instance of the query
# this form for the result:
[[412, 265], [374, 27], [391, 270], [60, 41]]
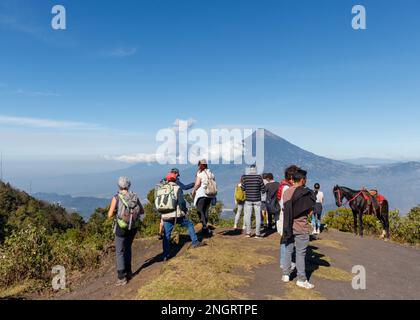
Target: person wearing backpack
[[204, 193], [127, 211], [240, 198], [171, 204], [184, 187]]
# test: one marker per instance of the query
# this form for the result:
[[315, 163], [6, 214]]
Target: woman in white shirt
[[317, 215], [201, 200]]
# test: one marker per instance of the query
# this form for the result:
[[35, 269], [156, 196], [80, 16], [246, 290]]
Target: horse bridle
[[338, 191], [340, 202]]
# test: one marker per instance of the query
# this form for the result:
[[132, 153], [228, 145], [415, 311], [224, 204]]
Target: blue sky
[[125, 69]]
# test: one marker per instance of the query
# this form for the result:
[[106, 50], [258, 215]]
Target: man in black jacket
[[272, 204], [299, 202]]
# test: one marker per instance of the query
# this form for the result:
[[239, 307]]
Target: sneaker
[[258, 237], [121, 282], [248, 236], [285, 279], [305, 285]]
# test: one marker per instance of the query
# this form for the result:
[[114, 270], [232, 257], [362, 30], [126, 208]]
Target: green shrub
[[26, 254]]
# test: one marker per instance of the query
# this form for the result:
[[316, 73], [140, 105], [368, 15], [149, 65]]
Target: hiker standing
[[254, 187], [299, 202], [128, 211], [316, 217], [239, 201], [286, 183], [273, 206], [204, 193], [170, 202], [175, 171], [264, 214]]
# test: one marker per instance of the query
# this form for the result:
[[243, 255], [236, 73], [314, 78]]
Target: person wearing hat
[[174, 173], [202, 201], [180, 217], [124, 237], [184, 187]]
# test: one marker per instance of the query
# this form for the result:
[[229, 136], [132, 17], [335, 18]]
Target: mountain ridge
[[278, 154]]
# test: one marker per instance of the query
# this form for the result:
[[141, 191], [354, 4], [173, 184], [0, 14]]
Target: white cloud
[[122, 52], [135, 158], [45, 123], [36, 93]]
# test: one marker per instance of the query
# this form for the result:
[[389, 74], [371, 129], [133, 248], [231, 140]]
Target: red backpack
[[283, 184]]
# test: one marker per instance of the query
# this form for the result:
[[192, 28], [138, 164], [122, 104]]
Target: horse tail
[[385, 217], [385, 207]]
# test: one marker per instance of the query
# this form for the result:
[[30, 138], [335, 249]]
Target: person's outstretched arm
[[185, 187]]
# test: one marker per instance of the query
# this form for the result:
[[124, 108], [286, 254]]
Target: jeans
[[301, 242], [203, 205], [240, 209], [168, 226], [123, 254], [316, 217], [248, 216]]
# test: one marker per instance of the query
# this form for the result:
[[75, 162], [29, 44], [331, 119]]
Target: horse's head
[[338, 195]]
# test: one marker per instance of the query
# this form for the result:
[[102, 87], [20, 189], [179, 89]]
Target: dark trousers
[[203, 205], [123, 254]]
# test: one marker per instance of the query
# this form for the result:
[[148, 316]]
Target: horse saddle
[[372, 204]]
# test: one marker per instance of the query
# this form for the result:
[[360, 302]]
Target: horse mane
[[349, 189]]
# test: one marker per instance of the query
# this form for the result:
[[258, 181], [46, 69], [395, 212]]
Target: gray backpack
[[129, 210]]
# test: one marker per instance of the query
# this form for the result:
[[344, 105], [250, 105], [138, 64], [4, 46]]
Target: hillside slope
[[389, 267]]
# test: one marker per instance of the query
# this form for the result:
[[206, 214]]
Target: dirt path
[[393, 270]]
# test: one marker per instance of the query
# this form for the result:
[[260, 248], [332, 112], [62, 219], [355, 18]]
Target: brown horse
[[361, 202]]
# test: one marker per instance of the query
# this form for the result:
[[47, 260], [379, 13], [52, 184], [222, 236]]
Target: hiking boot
[[121, 282], [285, 279], [305, 285]]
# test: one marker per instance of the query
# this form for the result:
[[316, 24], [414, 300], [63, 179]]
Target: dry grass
[[321, 267], [296, 293], [331, 244], [19, 289], [208, 272]]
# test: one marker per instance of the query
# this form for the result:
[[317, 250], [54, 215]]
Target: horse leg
[[361, 222], [355, 223]]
